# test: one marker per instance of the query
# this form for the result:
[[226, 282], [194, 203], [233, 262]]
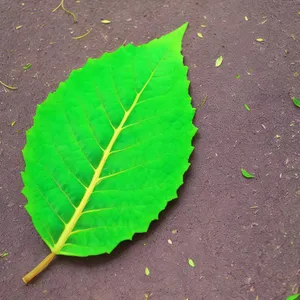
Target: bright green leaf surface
[[293, 297], [147, 271], [109, 148], [28, 66], [247, 174], [296, 101], [191, 262], [247, 107]]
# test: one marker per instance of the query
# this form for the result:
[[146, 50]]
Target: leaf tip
[[180, 31]]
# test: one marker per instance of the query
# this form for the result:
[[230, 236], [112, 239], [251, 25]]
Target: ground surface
[[240, 252]]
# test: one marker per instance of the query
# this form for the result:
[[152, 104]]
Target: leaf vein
[[104, 108], [76, 139], [47, 201], [89, 124]]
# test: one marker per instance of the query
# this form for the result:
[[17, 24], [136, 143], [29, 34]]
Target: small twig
[[203, 101], [8, 86], [67, 11], [82, 36], [104, 37]]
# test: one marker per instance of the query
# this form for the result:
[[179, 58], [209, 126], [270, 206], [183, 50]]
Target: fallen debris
[[67, 11], [82, 36], [8, 86]]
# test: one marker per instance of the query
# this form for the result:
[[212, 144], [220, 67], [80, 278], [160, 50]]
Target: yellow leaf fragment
[[105, 21], [296, 74], [246, 18], [219, 61], [298, 12], [200, 35], [82, 36], [293, 37], [170, 242], [203, 25], [13, 123], [18, 27], [259, 40]]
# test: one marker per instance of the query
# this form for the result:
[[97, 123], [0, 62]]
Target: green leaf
[[108, 149], [4, 254], [147, 271], [237, 76], [293, 297], [28, 66], [247, 174], [247, 107], [219, 61], [296, 101], [191, 262]]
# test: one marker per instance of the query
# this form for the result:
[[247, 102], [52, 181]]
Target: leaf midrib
[[78, 212]]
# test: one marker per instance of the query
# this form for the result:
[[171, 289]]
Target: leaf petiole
[[39, 268]]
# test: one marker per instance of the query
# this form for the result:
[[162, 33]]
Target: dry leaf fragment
[[170, 242], [18, 27], [264, 21], [259, 40], [13, 123], [203, 25], [246, 18], [105, 21], [200, 35]]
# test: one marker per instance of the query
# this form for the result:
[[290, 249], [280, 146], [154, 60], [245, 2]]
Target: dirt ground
[[243, 235]]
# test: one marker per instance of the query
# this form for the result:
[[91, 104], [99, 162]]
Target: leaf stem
[[39, 268]]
